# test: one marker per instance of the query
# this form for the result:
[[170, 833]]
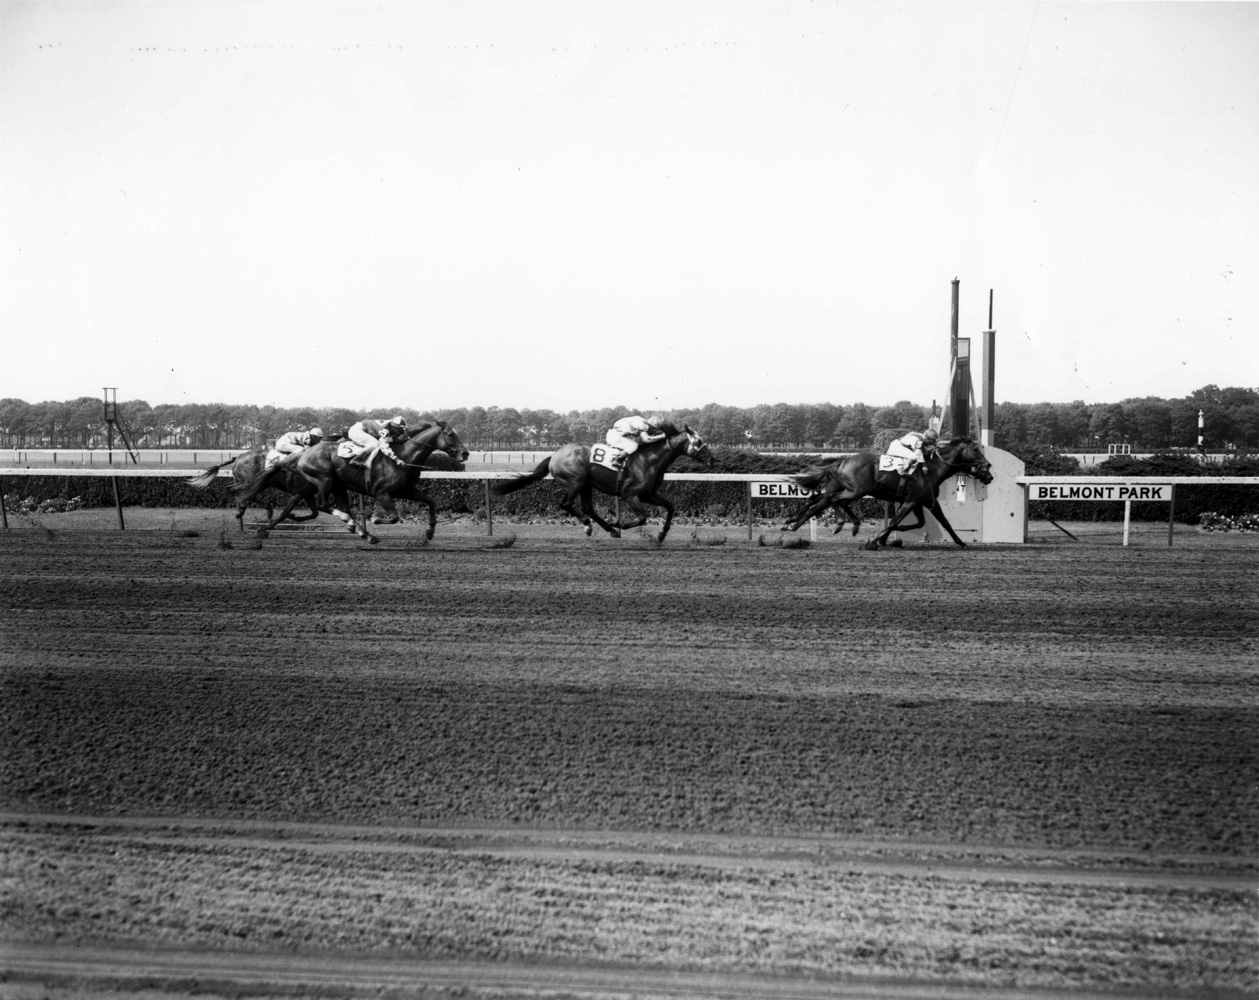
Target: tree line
[[1230, 415]]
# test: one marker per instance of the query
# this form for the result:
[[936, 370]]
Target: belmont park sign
[[1158, 492]]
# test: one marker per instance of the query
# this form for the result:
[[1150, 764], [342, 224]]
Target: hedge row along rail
[[759, 485]]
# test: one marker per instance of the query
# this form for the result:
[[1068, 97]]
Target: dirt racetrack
[[823, 769]]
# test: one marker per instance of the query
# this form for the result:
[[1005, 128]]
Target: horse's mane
[[668, 428], [422, 426]]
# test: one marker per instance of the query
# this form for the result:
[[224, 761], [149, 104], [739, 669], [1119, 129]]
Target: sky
[[658, 204]]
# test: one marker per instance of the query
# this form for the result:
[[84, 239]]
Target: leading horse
[[329, 477], [847, 479], [572, 468]]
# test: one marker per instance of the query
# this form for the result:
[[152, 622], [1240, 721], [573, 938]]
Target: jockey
[[915, 448], [293, 443], [629, 432], [370, 435]]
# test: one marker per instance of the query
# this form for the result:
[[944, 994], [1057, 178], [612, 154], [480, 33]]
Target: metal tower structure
[[114, 418]]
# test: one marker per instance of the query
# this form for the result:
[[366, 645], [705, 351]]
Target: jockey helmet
[[930, 436], [315, 432], [399, 422]]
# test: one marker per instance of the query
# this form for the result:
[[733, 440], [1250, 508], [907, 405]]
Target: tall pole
[[987, 434]]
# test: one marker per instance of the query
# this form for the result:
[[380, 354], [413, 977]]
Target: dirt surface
[[1026, 767]]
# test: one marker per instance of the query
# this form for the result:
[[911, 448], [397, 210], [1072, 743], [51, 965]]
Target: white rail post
[[1127, 516]]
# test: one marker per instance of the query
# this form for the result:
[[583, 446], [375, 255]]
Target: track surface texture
[[596, 768]]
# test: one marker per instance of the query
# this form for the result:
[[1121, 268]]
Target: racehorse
[[328, 476], [284, 477], [572, 468], [847, 479]]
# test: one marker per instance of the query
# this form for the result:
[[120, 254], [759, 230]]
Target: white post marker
[[1127, 519]]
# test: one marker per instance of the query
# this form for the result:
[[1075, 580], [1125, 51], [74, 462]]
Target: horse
[[571, 467], [847, 479], [329, 477], [251, 463]]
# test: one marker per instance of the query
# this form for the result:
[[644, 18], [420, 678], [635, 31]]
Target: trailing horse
[[282, 476], [847, 479], [572, 467], [326, 477]]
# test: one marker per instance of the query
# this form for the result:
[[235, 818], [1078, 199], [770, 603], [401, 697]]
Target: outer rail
[[168, 473]]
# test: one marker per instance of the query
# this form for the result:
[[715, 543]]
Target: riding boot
[[620, 478]]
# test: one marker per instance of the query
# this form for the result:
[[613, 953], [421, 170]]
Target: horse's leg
[[944, 522], [636, 505], [341, 509], [852, 515], [287, 509], [588, 508], [385, 503], [657, 500], [813, 508], [414, 494], [881, 538]]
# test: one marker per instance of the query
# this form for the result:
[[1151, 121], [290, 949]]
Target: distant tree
[[1150, 420], [854, 428], [1041, 425], [1010, 425], [15, 417]]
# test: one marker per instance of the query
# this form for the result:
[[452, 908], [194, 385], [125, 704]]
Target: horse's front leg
[[386, 504], [658, 500], [944, 522], [641, 512], [881, 538]]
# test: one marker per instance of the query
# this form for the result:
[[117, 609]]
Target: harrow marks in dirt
[[1095, 708]]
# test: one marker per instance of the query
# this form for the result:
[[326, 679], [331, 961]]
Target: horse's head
[[696, 446], [967, 455], [448, 441]]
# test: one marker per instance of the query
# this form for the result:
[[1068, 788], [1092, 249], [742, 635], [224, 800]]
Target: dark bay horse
[[572, 468], [327, 478], [284, 477], [847, 479]]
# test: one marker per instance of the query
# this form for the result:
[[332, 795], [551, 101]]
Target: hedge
[[702, 500]]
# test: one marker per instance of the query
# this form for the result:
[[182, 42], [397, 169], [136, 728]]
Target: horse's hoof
[[589, 530], [854, 530], [871, 546], [428, 535], [615, 532], [372, 540], [895, 544]]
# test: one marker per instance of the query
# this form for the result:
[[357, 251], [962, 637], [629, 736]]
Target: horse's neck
[[941, 467], [661, 455], [414, 449]]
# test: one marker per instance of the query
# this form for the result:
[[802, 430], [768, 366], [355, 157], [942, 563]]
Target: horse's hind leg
[[813, 508], [588, 509]]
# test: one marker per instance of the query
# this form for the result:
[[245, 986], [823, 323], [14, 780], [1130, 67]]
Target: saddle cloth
[[605, 455], [348, 449], [893, 463]]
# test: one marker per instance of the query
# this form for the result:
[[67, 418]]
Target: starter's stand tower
[[114, 418]]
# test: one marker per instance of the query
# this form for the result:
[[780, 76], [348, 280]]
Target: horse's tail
[[206, 478], [505, 486], [813, 476]]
